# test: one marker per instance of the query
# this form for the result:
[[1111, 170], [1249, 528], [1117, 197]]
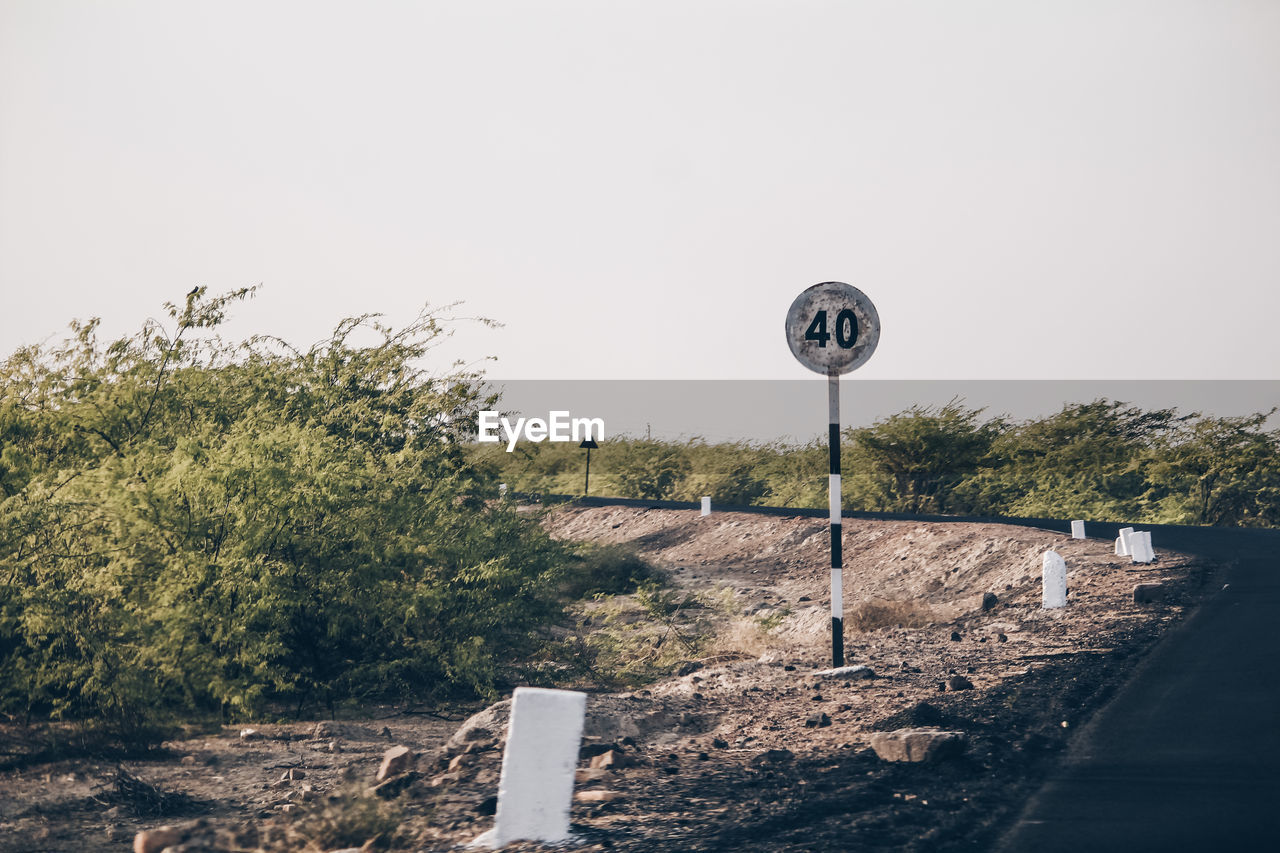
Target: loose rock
[[155, 840], [395, 761], [1146, 593], [917, 745], [959, 682], [989, 600], [611, 760], [772, 756]]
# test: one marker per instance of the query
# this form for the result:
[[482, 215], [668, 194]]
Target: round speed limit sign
[[832, 328]]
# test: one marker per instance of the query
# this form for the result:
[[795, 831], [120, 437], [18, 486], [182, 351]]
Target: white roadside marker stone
[[1123, 546], [536, 787], [1140, 546], [502, 490], [1077, 530], [706, 505], [1054, 581], [848, 673]]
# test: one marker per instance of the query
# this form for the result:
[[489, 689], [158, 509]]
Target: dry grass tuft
[[879, 613], [742, 637], [348, 818]]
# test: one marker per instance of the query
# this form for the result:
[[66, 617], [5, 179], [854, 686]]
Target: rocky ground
[[750, 748]]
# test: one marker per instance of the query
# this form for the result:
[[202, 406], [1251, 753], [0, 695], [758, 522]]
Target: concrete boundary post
[[1054, 581], [535, 790], [1123, 548], [706, 505], [1140, 546], [1077, 529]]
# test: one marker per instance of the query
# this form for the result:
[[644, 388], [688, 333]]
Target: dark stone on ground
[[817, 721], [772, 756], [396, 785], [591, 750], [1147, 593]]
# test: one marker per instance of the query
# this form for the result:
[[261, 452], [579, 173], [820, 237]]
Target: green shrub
[[646, 469], [1103, 460], [191, 525]]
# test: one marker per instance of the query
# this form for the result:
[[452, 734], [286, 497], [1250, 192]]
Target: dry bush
[[880, 613], [141, 798], [651, 634], [348, 818]]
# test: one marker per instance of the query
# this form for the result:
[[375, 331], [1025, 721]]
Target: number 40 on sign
[[846, 328]]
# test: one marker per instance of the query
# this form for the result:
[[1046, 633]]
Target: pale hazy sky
[[639, 189]]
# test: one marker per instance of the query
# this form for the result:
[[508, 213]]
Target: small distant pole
[[588, 443]]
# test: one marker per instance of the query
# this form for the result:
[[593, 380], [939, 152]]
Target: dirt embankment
[[750, 748]]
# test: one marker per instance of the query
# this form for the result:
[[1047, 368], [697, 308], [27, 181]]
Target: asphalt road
[[1186, 756]]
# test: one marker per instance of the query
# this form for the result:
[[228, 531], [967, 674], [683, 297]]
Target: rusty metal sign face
[[832, 328]]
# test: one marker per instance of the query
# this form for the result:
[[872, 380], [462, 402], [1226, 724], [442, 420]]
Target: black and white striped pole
[[832, 328], [837, 540]]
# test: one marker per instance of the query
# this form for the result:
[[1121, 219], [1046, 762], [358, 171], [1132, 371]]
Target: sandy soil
[[749, 749]]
